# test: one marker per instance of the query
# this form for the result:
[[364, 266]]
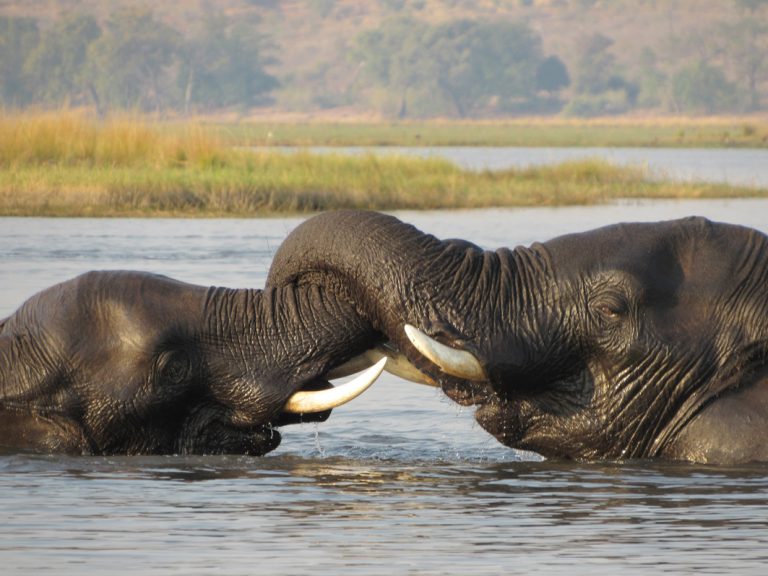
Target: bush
[[701, 88], [605, 103]]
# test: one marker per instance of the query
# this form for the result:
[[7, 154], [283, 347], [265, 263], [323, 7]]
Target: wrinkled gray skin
[[135, 363], [630, 341]]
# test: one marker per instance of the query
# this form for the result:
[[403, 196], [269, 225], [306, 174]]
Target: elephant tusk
[[460, 363], [397, 364], [356, 364], [400, 366], [303, 402]]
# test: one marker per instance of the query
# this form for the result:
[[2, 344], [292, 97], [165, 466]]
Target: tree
[[599, 88], [56, 66], [552, 75], [596, 65], [752, 6], [128, 64], [393, 57], [703, 88], [225, 67], [746, 44], [18, 37], [494, 61], [459, 68], [652, 81]]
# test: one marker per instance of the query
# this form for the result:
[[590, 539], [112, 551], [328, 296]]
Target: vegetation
[[392, 58], [132, 61], [723, 131], [68, 164], [460, 68]]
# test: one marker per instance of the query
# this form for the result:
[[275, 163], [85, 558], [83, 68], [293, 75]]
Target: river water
[[399, 481]]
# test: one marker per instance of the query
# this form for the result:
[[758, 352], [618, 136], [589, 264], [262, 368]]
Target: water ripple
[[400, 481]]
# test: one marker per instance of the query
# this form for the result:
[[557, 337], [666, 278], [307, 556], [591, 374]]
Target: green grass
[[670, 132], [67, 164]]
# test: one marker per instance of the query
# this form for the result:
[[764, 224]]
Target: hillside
[[309, 43]]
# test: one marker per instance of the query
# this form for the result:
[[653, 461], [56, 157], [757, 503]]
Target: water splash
[[318, 446]]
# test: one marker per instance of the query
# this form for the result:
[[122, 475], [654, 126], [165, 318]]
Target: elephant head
[[135, 363], [630, 341]]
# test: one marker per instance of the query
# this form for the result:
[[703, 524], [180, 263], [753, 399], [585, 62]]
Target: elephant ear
[[26, 382], [22, 423], [12, 367]]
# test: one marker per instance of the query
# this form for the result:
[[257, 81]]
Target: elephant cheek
[[256, 441], [288, 419], [260, 443], [216, 437], [501, 421], [462, 395]]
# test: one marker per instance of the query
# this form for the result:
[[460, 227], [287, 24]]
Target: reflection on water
[[400, 481], [287, 514]]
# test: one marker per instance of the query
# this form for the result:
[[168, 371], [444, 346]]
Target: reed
[[75, 138], [69, 164]]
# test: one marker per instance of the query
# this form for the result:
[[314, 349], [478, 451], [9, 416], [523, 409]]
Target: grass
[[68, 164], [558, 132]]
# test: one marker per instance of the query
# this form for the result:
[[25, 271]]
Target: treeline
[[133, 61], [462, 68], [404, 68], [475, 68]]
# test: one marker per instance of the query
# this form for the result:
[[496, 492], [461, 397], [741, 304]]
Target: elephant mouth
[[285, 418], [468, 393], [261, 440], [315, 400], [462, 390], [462, 376], [453, 361]]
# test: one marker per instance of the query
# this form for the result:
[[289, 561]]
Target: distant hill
[[656, 55]]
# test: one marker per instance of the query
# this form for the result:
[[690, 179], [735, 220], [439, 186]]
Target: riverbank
[[67, 164], [657, 132]]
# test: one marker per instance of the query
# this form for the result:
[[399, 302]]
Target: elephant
[[631, 341], [122, 362]]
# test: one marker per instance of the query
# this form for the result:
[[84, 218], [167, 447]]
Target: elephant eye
[[174, 367], [611, 308], [609, 311]]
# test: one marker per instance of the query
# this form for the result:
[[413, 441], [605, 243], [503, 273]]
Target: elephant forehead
[[132, 311], [113, 346], [692, 250], [628, 245], [123, 326]]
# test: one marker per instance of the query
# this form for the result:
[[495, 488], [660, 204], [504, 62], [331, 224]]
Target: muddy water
[[401, 481]]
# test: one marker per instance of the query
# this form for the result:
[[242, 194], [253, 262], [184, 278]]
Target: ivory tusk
[[400, 366], [460, 363], [397, 364], [356, 364], [304, 402]]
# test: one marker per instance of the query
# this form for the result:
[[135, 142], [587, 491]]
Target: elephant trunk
[[373, 260], [463, 297], [289, 337]]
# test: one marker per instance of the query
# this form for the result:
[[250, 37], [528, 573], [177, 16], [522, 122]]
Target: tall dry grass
[[71, 164], [71, 138]]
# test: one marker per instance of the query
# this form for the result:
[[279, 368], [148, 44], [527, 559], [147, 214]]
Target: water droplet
[[318, 446]]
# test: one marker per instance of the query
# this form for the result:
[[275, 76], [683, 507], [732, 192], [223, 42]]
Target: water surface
[[400, 481]]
